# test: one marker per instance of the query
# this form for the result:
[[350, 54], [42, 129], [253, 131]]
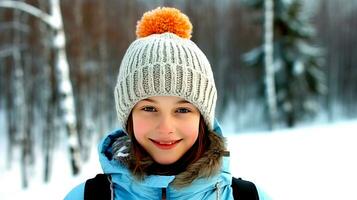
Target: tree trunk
[[20, 104], [66, 98], [10, 114], [269, 62], [48, 136]]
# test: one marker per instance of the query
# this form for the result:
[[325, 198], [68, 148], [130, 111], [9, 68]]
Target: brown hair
[[141, 163]]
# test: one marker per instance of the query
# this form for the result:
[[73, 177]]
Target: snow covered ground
[[300, 164]]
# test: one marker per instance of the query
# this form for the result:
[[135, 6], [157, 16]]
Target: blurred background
[[289, 65]]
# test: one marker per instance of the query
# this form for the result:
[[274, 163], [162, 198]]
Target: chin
[[165, 161]]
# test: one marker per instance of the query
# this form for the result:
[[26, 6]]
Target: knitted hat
[[163, 61]]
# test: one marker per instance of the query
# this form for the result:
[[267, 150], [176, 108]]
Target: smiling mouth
[[165, 144]]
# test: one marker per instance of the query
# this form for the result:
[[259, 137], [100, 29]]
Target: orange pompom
[[161, 20]]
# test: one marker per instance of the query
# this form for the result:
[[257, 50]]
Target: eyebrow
[[153, 101]]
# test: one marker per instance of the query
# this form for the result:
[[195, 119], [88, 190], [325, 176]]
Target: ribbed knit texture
[[165, 65]]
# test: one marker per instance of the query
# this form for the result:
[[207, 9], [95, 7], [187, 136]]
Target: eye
[[183, 110], [149, 109]]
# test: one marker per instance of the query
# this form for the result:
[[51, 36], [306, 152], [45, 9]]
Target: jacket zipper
[[218, 192], [163, 193]]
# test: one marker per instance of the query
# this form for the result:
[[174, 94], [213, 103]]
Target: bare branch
[[27, 8]]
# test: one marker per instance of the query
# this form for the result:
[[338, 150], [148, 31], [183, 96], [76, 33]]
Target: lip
[[165, 145]]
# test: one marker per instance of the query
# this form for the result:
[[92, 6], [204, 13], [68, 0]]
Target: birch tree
[[269, 63], [299, 78], [61, 69]]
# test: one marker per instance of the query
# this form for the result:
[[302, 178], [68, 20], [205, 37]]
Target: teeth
[[166, 143]]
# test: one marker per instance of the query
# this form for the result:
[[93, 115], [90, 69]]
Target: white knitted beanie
[[162, 63]]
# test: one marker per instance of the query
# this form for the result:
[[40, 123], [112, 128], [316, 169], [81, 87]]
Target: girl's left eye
[[149, 109], [183, 110]]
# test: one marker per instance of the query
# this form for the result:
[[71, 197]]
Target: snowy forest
[[277, 64]]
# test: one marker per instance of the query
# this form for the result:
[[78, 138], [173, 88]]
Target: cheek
[[141, 126], [191, 130]]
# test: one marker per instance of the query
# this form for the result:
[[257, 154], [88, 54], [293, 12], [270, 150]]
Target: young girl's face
[[166, 127]]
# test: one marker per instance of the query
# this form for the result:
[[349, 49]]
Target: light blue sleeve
[[262, 194], [77, 193]]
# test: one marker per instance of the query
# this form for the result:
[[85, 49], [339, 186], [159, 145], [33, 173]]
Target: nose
[[165, 125]]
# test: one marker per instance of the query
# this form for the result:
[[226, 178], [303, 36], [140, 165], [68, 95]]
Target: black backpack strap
[[99, 187], [244, 190]]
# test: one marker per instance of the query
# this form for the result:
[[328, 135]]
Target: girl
[[170, 146]]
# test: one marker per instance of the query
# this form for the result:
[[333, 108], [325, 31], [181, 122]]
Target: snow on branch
[[27, 8]]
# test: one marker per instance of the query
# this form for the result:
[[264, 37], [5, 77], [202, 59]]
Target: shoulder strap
[[99, 187], [244, 190]]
